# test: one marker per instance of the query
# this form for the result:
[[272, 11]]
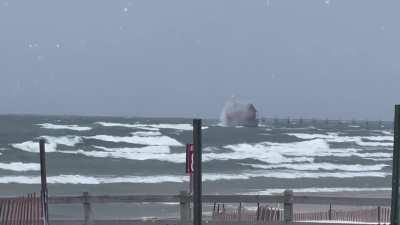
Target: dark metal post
[[394, 216], [330, 212], [197, 181], [44, 192]]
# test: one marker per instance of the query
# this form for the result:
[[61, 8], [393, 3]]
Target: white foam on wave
[[20, 166], [272, 191], [139, 139], [161, 153], [79, 179], [147, 133], [256, 151], [51, 143], [371, 141], [304, 151], [136, 126], [386, 132], [63, 127], [151, 127], [320, 166]]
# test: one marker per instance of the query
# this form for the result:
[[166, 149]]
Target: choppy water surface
[[126, 155]]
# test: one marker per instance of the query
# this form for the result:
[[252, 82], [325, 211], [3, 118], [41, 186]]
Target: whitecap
[[20, 166], [151, 127], [320, 166], [147, 133], [161, 153], [137, 126], [63, 127], [254, 151], [371, 141], [141, 140], [304, 151], [386, 132], [80, 179], [51, 143], [272, 191]]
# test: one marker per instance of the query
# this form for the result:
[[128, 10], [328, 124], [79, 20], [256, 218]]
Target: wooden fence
[[21, 211], [373, 215], [262, 214], [286, 213]]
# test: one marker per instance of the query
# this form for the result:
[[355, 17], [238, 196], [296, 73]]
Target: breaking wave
[[20, 166], [372, 141], [139, 139], [51, 143], [151, 127], [80, 179], [63, 127], [303, 151], [320, 166], [316, 189], [161, 153]]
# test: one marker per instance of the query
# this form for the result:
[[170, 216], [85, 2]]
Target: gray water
[[108, 155]]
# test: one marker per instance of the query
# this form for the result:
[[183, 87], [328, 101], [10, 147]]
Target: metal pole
[[197, 181], [44, 192], [394, 217]]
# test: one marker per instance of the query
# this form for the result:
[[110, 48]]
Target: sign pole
[[197, 181], [44, 191], [394, 217]]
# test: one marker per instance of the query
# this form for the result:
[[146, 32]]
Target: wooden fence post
[[87, 209], [240, 212], [379, 215], [330, 212], [184, 207], [288, 206]]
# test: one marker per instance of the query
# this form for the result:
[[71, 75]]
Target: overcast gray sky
[[309, 58]]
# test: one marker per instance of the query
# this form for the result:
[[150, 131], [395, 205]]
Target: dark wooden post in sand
[[197, 181], [394, 216], [288, 206], [184, 208], [87, 209], [44, 192]]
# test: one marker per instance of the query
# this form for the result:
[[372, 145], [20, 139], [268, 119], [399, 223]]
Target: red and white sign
[[189, 158]]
